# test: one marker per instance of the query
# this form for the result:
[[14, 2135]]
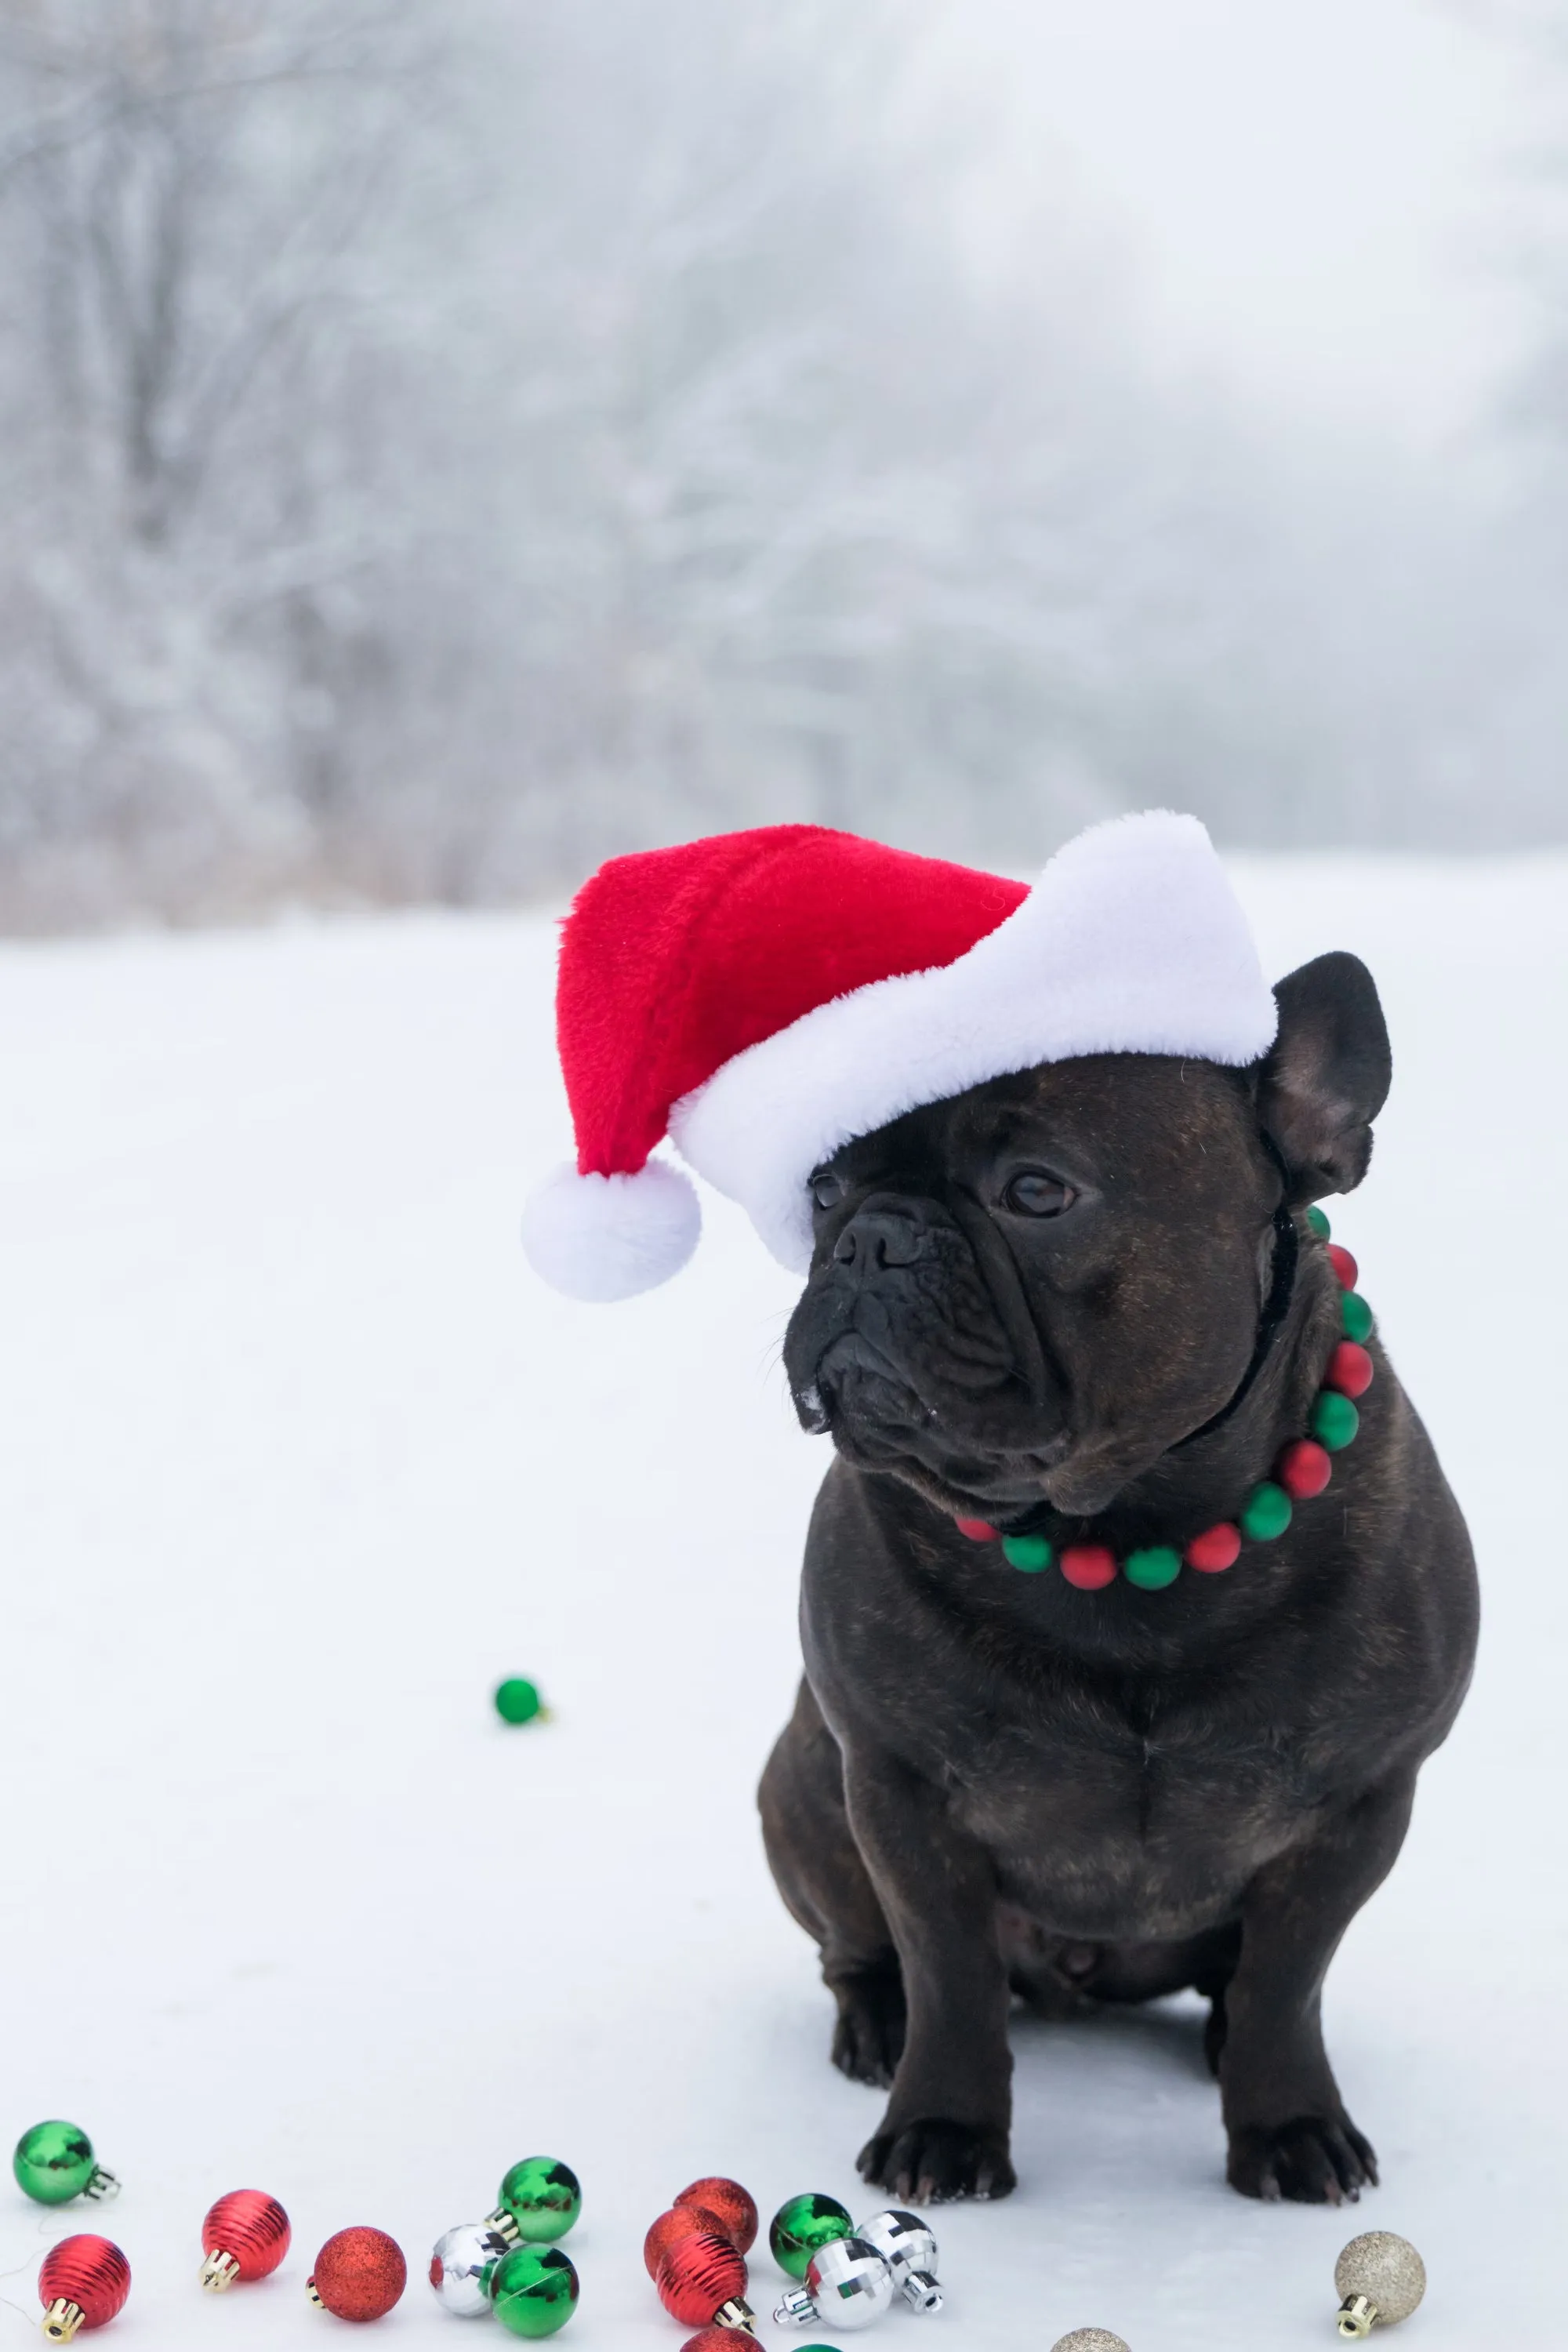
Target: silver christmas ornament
[[1379, 2279], [909, 2249], [1089, 2339], [847, 2286], [461, 2267]]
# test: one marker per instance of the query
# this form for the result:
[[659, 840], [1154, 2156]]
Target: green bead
[[1153, 1568], [802, 2226], [54, 2162], [1268, 1512], [1356, 1317], [533, 2290], [1031, 1553], [543, 2198], [518, 1701], [1318, 1223], [1334, 1420]]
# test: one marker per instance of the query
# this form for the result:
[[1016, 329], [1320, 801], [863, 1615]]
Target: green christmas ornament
[[1153, 1568], [1318, 1223], [54, 2162], [802, 2227], [1334, 1420], [1268, 1512], [518, 1701], [538, 2201], [533, 2290], [1031, 1553], [1355, 1316]]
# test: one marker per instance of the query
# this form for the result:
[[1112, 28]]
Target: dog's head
[[1032, 1290]]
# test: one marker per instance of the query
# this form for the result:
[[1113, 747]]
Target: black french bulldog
[[1084, 1301]]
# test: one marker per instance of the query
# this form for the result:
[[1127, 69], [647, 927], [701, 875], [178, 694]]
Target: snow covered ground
[[296, 1460]]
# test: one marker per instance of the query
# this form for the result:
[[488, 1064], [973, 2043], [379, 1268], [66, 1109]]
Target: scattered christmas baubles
[[728, 2203], [909, 2249], [462, 2264], [82, 2283], [1379, 2279], [1089, 2339], [245, 2236], [538, 2201], [533, 2290], [847, 2285], [802, 2226], [702, 2281], [54, 2162], [518, 1701], [679, 2221], [359, 2273]]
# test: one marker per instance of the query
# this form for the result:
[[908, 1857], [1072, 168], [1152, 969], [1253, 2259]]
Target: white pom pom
[[607, 1237]]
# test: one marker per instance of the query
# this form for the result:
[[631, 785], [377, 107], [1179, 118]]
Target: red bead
[[359, 2273], [1304, 1469], [731, 2204], [1219, 1547], [698, 2274], [1344, 1265], [252, 2226], [977, 1530], [680, 2222], [1089, 1565], [1350, 1369], [90, 2272]]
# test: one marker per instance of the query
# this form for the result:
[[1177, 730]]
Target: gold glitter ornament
[[1379, 2279], [1089, 2339]]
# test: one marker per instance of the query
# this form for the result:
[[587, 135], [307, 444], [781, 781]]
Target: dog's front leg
[[945, 2131], [1288, 2133]]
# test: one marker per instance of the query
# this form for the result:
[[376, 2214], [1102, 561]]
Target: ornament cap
[[311, 2294], [102, 2185], [62, 2320], [1358, 2317], [794, 2309], [920, 2291], [736, 2312], [218, 2272]]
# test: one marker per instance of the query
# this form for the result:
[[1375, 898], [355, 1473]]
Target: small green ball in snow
[[518, 1701]]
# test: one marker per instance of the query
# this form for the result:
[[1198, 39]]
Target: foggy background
[[443, 444]]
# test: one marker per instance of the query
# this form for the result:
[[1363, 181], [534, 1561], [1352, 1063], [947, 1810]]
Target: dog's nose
[[877, 1235]]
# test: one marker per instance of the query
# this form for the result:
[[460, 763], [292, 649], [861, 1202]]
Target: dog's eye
[[826, 1189], [1035, 1194]]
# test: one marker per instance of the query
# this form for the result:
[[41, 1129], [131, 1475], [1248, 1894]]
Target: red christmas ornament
[[977, 1530], [735, 2209], [358, 2274], [1344, 1265], [680, 2222], [1350, 1369], [245, 2236], [712, 2339], [82, 2283], [1089, 1565], [1304, 1469], [1219, 1547], [697, 2276]]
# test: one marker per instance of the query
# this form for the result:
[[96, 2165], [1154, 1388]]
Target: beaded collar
[[1302, 1471]]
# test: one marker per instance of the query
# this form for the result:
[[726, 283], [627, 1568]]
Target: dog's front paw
[[868, 2039], [933, 2161], [1312, 2160]]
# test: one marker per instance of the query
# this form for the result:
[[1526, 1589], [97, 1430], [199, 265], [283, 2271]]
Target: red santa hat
[[763, 997]]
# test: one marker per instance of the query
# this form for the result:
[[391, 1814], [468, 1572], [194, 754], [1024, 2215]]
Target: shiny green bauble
[[802, 2227], [1031, 1553], [1153, 1568], [543, 2198], [54, 2162], [533, 2290]]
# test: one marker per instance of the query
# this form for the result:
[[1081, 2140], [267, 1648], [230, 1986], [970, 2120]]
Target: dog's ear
[[1326, 1076]]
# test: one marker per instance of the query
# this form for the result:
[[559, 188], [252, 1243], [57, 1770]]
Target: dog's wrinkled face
[[1035, 1288]]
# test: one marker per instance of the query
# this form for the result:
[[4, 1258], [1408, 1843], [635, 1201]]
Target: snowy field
[[297, 1459]]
